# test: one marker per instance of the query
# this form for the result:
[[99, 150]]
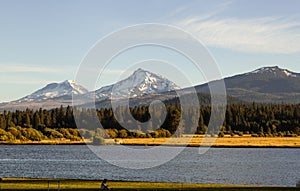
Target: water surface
[[255, 166]]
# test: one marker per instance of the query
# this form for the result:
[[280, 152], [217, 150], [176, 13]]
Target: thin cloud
[[8, 68], [190, 7], [21, 74], [25, 82], [262, 35]]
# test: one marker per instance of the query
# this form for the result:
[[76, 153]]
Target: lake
[[255, 166]]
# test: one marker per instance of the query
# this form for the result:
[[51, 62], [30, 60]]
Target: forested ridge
[[255, 119]]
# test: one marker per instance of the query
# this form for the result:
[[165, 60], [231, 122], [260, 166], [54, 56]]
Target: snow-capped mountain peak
[[55, 90], [276, 71], [77, 89], [141, 82]]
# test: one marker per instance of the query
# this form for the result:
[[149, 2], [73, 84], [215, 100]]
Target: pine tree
[[2, 122], [27, 120], [69, 119], [36, 120]]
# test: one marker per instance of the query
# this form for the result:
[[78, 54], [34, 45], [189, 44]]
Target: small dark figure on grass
[[104, 185]]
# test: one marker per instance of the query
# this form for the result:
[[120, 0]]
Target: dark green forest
[[255, 119]]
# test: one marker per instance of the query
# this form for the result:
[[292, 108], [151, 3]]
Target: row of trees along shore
[[255, 119]]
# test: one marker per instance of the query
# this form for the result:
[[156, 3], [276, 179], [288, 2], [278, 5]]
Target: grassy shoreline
[[230, 142], [67, 184]]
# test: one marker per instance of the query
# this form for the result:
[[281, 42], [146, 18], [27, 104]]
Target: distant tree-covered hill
[[264, 85]]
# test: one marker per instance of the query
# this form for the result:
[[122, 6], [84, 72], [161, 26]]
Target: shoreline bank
[[227, 142]]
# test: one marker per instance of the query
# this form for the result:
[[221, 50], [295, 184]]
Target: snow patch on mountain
[[275, 71], [287, 73]]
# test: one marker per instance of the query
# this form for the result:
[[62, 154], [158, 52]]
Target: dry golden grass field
[[189, 140], [245, 141]]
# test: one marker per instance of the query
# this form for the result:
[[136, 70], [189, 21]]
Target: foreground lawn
[[80, 185]]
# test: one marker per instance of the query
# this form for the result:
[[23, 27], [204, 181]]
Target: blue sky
[[45, 41]]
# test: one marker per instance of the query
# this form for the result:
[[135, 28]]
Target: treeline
[[255, 119], [59, 123], [263, 120]]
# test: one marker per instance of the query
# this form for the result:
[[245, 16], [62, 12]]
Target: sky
[[46, 41]]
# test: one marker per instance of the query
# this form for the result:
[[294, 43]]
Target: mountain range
[[140, 83], [264, 85]]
